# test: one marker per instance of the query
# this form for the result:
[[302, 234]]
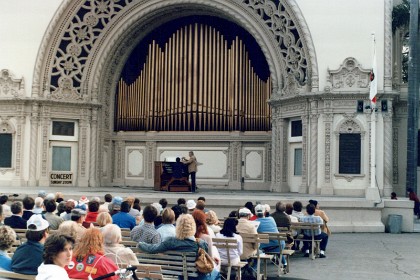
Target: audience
[[212, 221], [113, 249], [53, 220], [28, 256], [58, 252], [167, 229], [311, 218], [203, 233], [105, 207], [7, 239], [134, 212], [146, 232], [39, 206], [16, 220], [246, 226], [103, 219], [78, 216], [88, 258], [93, 212], [70, 228], [6, 208], [229, 231], [184, 242], [123, 219], [324, 217], [280, 217], [66, 215], [28, 204]]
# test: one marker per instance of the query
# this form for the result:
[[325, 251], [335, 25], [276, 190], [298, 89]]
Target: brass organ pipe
[[203, 73], [216, 92], [184, 80], [213, 91], [166, 91], [177, 81]]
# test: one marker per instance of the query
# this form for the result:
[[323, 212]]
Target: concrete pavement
[[359, 256]]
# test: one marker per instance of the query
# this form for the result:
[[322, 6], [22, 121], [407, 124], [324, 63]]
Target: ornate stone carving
[[11, 87], [388, 45], [395, 155], [349, 126], [350, 76]]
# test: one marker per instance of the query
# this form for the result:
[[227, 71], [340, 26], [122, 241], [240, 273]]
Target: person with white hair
[[183, 242], [246, 226], [113, 249]]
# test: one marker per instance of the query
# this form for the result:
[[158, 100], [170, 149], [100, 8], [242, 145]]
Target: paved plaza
[[356, 256]]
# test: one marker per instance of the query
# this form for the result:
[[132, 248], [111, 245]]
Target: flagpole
[[372, 192]]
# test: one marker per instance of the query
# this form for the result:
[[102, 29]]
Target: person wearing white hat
[[28, 256], [191, 205], [246, 226]]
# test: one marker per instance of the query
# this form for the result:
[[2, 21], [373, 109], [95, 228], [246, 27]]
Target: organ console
[[163, 178]]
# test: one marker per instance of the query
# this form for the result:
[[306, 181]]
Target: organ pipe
[[198, 81]]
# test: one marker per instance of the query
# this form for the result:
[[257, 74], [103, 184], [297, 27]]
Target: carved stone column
[[82, 179], [19, 146], [313, 157], [388, 46], [235, 162], [93, 168], [304, 185], [151, 157], [276, 151], [388, 153], [45, 132], [327, 188], [119, 163], [33, 162]]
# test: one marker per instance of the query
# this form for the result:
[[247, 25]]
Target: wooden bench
[[280, 236], [149, 271], [13, 275], [258, 238], [173, 263], [315, 243], [229, 244]]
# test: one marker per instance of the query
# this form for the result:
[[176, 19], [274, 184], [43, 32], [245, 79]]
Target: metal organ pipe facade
[[198, 82]]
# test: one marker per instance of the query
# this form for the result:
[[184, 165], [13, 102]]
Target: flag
[[373, 77]]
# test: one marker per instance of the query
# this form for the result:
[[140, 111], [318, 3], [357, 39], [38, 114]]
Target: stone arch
[[63, 66]]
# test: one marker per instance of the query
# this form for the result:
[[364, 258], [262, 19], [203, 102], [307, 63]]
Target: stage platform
[[347, 214]]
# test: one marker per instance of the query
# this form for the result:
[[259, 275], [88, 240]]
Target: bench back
[[306, 226], [13, 275], [172, 263], [227, 244], [149, 271]]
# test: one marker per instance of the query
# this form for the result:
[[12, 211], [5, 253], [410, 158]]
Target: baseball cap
[[37, 223], [77, 212], [191, 204], [245, 211], [259, 208]]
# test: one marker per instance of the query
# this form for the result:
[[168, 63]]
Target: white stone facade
[[319, 54]]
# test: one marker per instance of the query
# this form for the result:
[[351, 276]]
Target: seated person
[[28, 256], [183, 242], [7, 238], [177, 169], [113, 249], [16, 220], [88, 258], [123, 219], [311, 218], [267, 224], [229, 231], [58, 251], [28, 205], [146, 232]]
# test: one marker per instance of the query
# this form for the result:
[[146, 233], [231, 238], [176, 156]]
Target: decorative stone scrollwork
[[9, 86], [349, 126], [349, 76]]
